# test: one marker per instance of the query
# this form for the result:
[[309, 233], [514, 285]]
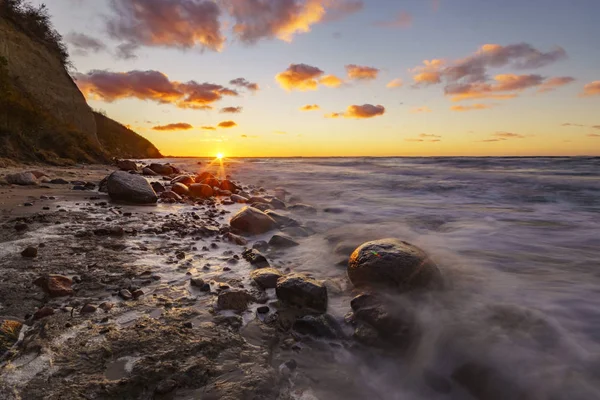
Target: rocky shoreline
[[107, 297]]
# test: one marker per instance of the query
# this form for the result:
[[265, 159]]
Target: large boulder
[[162, 169], [253, 221], [22, 178], [392, 263], [266, 278], [130, 188], [282, 241], [301, 291], [127, 165], [199, 190], [234, 299]]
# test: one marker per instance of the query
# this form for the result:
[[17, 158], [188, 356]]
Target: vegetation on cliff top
[[122, 141]]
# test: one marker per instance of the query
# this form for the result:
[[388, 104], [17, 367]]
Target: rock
[[103, 185], [280, 193], [266, 278], [212, 182], [240, 241], [256, 199], [262, 206], [486, 383], [55, 285], [304, 208], [165, 386], [125, 294], [238, 199], [282, 241], [260, 245], [185, 179], [43, 313], [197, 282], [137, 293], [170, 196], [89, 308], [107, 306], [302, 291], [363, 300], [228, 185], [367, 335], [20, 227], [253, 221], [263, 310], [180, 189], [323, 326], [38, 174], [296, 231], [392, 263], [22, 178], [277, 204], [255, 258], [127, 165], [59, 181], [158, 187], [30, 252], [130, 188], [161, 169], [234, 300], [203, 176], [199, 190], [281, 219], [148, 172]]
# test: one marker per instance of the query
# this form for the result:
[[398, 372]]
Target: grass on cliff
[[122, 141]]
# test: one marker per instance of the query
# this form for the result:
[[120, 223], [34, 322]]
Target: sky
[[280, 78]]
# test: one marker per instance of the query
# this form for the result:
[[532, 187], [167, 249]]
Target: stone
[[301, 291], [277, 204], [281, 219], [253, 221], [59, 181], [199, 190], [262, 206], [168, 195], [137, 293], [260, 245], [282, 241], [255, 258], [89, 308], [30, 252], [203, 176], [55, 285], [263, 310], [180, 189], [127, 165], [125, 294], [486, 383], [303, 208], [148, 172], [197, 282], [236, 198], [212, 182], [38, 174], [240, 241], [229, 185], [233, 299], [106, 306], [266, 278], [161, 169], [158, 187], [256, 199], [43, 313], [130, 188], [165, 386], [22, 179], [322, 326], [21, 226], [296, 231], [185, 179], [394, 264]]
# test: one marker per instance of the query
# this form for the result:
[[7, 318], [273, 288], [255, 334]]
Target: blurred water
[[518, 240]]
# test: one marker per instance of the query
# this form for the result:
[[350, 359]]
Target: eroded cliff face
[[36, 71]]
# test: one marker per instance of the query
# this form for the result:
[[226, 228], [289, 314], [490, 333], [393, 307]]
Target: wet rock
[[22, 179], [158, 187], [486, 383], [88, 309], [199, 190], [59, 181], [392, 263], [281, 219], [168, 195], [148, 172], [255, 258], [20, 227], [197, 282], [203, 176], [166, 386], [55, 285], [106, 306], [282, 241], [30, 252], [43, 313], [301, 291], [161, 169], [212, 182], [277, 204], [363, 300], [130, 188], [137, 293], [185, 179], [280, 193], [303, 208], [125, 294], [253, 221], [9, 334], [236, 300], [127, 165], [262, 206], [180, 189], [263, 310], [260, 245], [367, 335], [266, 278], [256, 199], [238, 199], [240, 241], [322, 326], [228, 185]]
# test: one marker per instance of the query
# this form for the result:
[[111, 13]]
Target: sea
[[517, 239]]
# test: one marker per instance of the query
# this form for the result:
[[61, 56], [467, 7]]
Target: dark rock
[[43, 313], [137, 293], [22, 178], [55, 285], [302, 291], [59, 181], [166, 386], [260, 245], [205, 288], [89, 308], [322, 326], [367, 335], [197, 282], [125, 294], [30, 252], [162, 169], [253, 221], [28, 204], [180, 189], [281, 219], [185, 179], [106, 306], [304, 208], [256, 199], [392, 263], [291, 364], [262, 206], [199, 190], [127, 165], [277, 204], [228, 185], [238, 199], [297, 231], [20, 227], [282, 241], [255, 258], [266, 278], [234, 300], [170, 196], [130, 188], [240, 241], [188, 325], [363, 300], [148, 172], [263, 310], [158, 187]]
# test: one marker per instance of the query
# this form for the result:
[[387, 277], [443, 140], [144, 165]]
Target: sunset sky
[[342, 77]]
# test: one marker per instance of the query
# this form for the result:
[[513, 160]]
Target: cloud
[[418, 110], [508, 135], [361, 72], [126, 51], [570, 124], [421, 138], [209, 128], [591, 89], [83, 44], [265, 19], [396, 83], [503, 83], [183, 24], [180, 126], [594, 135], [596, 127], [554, 83], [241, 82], [493, 140], [150, 85], [359, 112], [231, 110], [471, 107], [227, 124], [299, 77], [402, 20], [331, 81], [429, 135], [310, 107]]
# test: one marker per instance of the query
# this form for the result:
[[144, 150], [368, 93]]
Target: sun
[[219, 156]]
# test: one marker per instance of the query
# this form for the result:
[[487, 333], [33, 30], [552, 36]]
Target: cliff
[[122, 141]]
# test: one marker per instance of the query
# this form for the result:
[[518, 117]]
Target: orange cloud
[[508, 135], [209, 128], [402, 20], [227, 124], [242, 82], [150, 85], [231, 110], [361, 72], [471, 107], [180, 126], [418, 110], [331, 81], [594, 135], [310, 107], [554, 83], [504, 83], [359, 112], [591, 89], [429, 135], [396, 83], [299, 77]]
